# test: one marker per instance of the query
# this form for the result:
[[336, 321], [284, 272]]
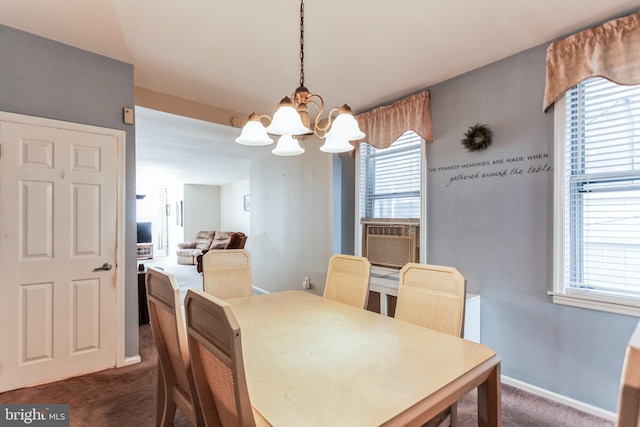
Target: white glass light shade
[[287, 121], [287, 146], [335, 145], [254, 133], [345, 126]]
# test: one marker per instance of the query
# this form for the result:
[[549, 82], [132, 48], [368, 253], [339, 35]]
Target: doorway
[[60, 221]]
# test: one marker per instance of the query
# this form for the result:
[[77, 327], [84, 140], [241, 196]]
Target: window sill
[[609, 304]]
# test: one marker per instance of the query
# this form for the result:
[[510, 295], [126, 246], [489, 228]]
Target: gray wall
[[201, 209], [344, 199], [498, 232], [40, 77], [291, 219]]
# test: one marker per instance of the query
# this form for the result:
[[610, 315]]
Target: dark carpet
[[124, 397]]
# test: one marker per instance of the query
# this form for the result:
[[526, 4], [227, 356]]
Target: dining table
[[312, 361]]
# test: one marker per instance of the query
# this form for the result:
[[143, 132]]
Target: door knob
[[106, 266]]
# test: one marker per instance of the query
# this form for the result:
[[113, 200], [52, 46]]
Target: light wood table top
[[311, 361]]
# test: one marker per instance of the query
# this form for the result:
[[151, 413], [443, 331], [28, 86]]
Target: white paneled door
[[58, 212]]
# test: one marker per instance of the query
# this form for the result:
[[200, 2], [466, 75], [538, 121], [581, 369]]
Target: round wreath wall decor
[[477, 138]]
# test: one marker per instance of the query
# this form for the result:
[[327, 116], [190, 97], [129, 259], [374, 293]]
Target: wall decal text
[[513, 166]]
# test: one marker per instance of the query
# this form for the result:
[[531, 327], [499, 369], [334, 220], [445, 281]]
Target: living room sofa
[[206, 240]]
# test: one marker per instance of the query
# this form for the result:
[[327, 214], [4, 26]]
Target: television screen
[[144, 232]]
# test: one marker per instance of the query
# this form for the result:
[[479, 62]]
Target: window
[[390, 179], [598, 199], [390, 187]]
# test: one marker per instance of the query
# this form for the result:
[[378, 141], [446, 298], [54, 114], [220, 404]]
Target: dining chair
[[629, 396], [175, 382], [348, 280], [227, 273], [433, 296], [217, 366]]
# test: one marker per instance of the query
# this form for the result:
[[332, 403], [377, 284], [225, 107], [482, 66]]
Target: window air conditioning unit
[[391, 242]]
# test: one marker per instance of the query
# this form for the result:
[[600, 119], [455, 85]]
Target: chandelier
[[291, 120]]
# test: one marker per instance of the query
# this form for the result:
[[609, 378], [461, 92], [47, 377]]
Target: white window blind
[[602, 189], [390, 179]]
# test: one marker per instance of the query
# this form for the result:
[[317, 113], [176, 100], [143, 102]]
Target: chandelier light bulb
[[287, 121], [336, 145], [254, 133], [287, 146], [345, 126]]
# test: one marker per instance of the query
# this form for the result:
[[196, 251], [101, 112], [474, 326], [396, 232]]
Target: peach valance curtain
[[383, 125], [611, 50]]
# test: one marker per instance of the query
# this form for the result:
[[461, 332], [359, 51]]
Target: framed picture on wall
[[247, 202]]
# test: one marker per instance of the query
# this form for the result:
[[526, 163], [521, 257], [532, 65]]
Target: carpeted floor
[[126, 397], [119, 397]]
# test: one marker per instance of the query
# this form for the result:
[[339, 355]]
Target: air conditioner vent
[[390, 245]]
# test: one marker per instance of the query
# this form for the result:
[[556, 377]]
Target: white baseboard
[[259, 291], [132, 360], [581, 406]]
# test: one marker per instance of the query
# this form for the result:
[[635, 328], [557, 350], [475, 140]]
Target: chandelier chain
[[302, 43], [293, 125]]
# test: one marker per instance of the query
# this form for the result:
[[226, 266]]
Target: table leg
[[143, 311], [383, 304], [489, 400]]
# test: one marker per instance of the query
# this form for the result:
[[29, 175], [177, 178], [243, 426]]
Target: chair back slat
[[348, 280], [217, 365], [227, 273], [175, 385], [432, 296]]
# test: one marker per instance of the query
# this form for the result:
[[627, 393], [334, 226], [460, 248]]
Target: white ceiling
[[243, 55], [176, 149]]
